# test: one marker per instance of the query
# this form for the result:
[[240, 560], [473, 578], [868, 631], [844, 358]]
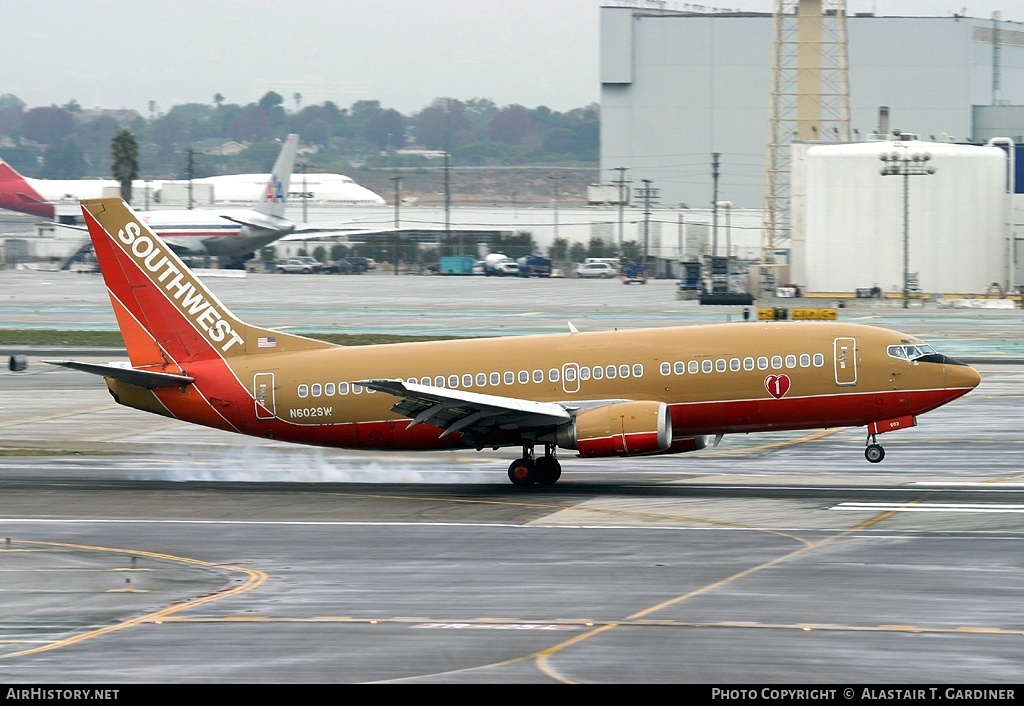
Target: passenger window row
[[734, 365], [509, 377]]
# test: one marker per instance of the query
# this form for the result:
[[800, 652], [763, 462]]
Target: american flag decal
[[266, 342]]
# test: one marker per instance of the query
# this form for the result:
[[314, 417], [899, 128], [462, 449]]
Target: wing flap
[[458, 410]]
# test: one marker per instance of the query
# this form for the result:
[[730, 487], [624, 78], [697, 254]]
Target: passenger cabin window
[[694, 367], [495, 378], [538, 376], [638, 370], [510, 377], [481, 379], [453, 381], [598, 372], [570, 374], [553, 375], [776, 362], [748, 363], [524, 376], [680, 367], [584, 373], [720, 365], [439, 381], [666, 368], [329, 389], [707, 366], [342, 388], [467, 380], [805, 360], [623, 371], [734, 365], [762, 363], [609, 372], [790, 361], [316, 390], [303, 390], [819, 360]]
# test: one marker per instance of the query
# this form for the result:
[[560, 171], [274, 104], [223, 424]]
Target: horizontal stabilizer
[[125, 373]]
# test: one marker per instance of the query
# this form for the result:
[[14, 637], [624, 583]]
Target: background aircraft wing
[[260, 220], [458, 410], [328, 229]]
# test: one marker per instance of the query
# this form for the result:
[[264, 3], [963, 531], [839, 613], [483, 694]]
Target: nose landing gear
[[874, 452], [527, 470]]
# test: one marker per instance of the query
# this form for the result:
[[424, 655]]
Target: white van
[[613, 261]]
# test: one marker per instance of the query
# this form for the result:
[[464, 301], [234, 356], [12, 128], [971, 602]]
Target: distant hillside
[[492, 186]]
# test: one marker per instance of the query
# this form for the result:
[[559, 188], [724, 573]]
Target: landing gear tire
[[547, 470], [522, 472], [874, 453]]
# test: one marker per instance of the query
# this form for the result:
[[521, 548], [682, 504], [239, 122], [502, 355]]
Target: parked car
[[341, 267], [294, 266], [599, 270], [362, 264], [314, 264]]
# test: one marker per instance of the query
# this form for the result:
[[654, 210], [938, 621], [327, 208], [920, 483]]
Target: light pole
[[398, 190], [556, 178], [906, 164], [727, 207], [622, 202]]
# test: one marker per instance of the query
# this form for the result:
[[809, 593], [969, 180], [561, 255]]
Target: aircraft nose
[[961, 376]]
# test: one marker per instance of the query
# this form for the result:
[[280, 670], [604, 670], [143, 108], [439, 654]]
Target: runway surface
[[137, 550]]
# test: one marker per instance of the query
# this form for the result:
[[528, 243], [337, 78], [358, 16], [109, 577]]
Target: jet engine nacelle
[[621, 429]]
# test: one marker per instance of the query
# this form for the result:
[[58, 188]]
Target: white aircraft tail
[[274, 197]]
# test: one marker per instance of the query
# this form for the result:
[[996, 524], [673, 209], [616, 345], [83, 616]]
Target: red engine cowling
[[621, 429]]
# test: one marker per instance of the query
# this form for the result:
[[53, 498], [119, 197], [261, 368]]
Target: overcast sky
[[404, 53]]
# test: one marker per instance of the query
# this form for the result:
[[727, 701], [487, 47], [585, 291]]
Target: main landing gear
[[874, 452], [528, 470]]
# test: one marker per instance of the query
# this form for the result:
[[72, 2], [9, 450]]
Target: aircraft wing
[[312, 231], [126, 373], [259, 220], [458, 410]]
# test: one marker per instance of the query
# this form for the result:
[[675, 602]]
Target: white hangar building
[[853, 229]]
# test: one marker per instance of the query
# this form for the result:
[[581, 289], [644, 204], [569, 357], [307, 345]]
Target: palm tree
[[125, 151], [218, 99]]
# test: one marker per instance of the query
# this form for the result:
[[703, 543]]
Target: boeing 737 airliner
[[600, 394]]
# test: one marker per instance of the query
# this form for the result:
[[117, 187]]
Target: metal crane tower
[[810, 99]]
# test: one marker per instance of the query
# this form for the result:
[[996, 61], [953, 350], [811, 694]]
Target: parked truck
[[498, 265], [534, 266]]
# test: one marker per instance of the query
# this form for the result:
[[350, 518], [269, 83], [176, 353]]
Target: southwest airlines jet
[[601, 394]]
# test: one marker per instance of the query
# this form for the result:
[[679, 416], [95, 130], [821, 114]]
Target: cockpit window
[[911, 351]]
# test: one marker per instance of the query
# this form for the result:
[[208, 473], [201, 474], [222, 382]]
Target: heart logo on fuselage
[[777, 385]]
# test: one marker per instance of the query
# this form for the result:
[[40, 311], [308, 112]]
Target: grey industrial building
[[678, 86], [686, 100]]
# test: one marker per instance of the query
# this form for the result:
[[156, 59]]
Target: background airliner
[[232, 233], [320, 189], [58, 199], [645, 392]]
